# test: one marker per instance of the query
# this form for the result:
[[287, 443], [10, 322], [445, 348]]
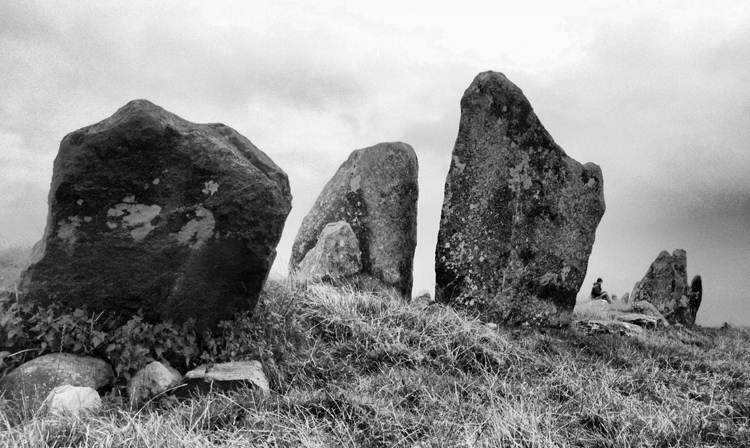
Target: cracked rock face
[[519, 216], [147, 210], [375, 192]]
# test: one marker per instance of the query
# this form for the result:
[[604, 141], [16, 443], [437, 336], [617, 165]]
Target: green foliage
[[28, 330], [354, 369]]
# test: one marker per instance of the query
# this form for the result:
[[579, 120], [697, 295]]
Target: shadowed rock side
[[519, 216], [665, 286], [147, 210], [375, 192]]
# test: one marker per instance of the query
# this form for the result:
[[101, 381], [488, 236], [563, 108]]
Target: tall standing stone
[[519, 216], [665, 286], [149, 211], [375, 191]]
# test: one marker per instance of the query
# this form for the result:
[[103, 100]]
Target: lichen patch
[[210, 187], [198, 230], [136, 217], [67, 230]]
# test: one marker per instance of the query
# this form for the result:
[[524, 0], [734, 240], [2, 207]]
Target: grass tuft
[[356, 369]]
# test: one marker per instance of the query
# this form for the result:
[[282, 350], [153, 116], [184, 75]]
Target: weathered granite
[[519, 216]]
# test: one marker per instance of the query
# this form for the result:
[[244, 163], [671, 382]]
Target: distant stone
[[226, 376], [608, 327], [73, 402], [665, 286], [519, 216], [335, 257], [645, 308], [695, 296], [39, 376], [149, 211], [375, 192], [152, 380], [641, 320], [625, 298]]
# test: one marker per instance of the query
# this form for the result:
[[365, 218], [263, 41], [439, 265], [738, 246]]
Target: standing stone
[[335, 257], [147, 210], [665, 286], [696, 296], [375, 192], [519, 216]]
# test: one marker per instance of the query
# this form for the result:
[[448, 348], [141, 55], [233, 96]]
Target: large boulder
[[149, 211], [665, 286], [39, 376], [375, 192], [519, 216]]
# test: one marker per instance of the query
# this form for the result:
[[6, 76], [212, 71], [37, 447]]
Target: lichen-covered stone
[[665, 286], [73, 402], [335, 257], [36, 378], [150, 211], [151, 381], [375, 192], [519, 216]]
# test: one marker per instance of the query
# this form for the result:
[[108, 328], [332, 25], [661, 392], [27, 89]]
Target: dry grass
[[369, 370]]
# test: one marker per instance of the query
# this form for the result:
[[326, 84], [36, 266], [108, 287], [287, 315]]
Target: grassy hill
[[351, 369]]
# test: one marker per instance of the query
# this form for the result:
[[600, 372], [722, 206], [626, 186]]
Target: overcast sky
[[658, 96]]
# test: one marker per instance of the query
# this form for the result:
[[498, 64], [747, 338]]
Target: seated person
[[598, 294]]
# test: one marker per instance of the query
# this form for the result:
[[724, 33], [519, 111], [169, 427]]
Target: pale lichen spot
[[156, 181], [197, 231], [129, 199], [355, 183], [210, 187], [67, 229], [460, 166], [79, 202], [136, 217], [87, 218]]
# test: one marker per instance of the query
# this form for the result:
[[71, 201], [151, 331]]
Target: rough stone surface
[[665, 287], [643, 307], [226, 376], [641, 320], [519, 216], [594, 326], [39, 376], [375, 191], [72, 401], [625, 298], [152, 380], [336, 256], [147, 210]]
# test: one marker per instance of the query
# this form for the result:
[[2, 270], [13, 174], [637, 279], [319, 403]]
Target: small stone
[[39, 376], [226, 376], [152, 380], [73, 402]]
